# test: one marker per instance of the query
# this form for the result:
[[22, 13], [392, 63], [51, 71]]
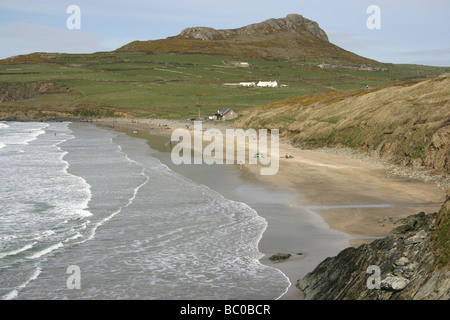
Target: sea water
[[73, 194]]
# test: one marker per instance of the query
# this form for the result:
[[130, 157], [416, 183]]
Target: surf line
[[213, 153], [129, 202]]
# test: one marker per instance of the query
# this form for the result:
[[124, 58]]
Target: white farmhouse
[[267, 84], [243, 64], [247, 84]]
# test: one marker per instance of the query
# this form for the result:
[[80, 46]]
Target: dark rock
[[407, 265], [394, 283], [292, 22], [280, 257]]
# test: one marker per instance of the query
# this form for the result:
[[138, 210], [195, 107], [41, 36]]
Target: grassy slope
[[440, 237], [408, 123], [138, 84], [261, 44]]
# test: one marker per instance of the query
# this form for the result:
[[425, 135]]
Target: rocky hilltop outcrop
[[413, 265], [293, 36], [291, 23]]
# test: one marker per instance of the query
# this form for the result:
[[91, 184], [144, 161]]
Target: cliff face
[[413, 262], [20, 90], [42, 110]]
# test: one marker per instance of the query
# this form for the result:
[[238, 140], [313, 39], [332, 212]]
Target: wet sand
[[315, 206]]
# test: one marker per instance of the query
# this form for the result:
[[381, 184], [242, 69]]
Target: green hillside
[[140, 84]]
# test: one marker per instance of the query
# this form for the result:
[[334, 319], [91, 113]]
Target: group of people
[[288, 156], [165, 126]]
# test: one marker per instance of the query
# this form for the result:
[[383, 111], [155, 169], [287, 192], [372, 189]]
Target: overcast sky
[[411, 31]]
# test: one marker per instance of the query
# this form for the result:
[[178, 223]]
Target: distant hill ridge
[[291, 37]]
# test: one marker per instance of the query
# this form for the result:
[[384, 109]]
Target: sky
[[407, 31]]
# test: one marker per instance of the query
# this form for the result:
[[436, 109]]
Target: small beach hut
[[225, 114]]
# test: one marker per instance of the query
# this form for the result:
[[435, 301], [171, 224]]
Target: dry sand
[[355, 197]]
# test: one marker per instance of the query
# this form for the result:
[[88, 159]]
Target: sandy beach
[[356, 199]]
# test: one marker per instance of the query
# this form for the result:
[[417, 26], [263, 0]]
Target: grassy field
[[139, 84]]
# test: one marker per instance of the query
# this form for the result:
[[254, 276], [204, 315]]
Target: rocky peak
[[201, 33], [291, 23]]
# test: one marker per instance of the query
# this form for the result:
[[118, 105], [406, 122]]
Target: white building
[[324, 65], [240, 64], [267, 84], [247, 84]]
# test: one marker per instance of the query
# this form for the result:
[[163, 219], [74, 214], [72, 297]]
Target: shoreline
[[356, 199]]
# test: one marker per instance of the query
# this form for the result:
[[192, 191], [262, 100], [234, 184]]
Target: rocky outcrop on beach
[[412, 263]]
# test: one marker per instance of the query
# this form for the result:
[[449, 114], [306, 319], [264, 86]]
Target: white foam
[[81, 208], [76, 236], [46, 251], [130, 201], [14, 293], [14, 252], [238, 206], [233, 208], [33, 134], [21, 134], [44, 234], [11, 295], [92, 231]]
